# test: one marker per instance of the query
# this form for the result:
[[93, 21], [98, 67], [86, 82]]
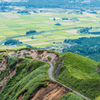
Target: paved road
[[52, 78]]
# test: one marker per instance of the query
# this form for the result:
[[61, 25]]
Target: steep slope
[[29, 76], [53, 91], [6, 69], [24, 75], [81, 74], [27, 79]]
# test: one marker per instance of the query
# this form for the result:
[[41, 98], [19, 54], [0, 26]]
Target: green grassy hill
[[30, 74], [77, 72], [81, 74]]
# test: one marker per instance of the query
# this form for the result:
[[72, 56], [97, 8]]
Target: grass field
[[14, 24], [81, 74]]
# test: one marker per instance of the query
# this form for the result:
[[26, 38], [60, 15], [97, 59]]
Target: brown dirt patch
[[35, 54], [3, 64], [3, 82], [53, 91], [11, 73]]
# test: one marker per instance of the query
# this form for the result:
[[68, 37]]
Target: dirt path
[[52, 78]]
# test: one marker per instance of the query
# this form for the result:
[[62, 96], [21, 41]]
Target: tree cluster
[[89, 47], [86, 30], [31, 32], [12, 42]]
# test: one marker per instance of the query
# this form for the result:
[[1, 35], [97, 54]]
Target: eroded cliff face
[[3, 64], [10, 74], [11, 71], [53, 91], [35, 54]]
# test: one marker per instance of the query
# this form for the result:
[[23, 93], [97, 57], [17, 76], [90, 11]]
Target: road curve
[[50, 71], [52, 78]]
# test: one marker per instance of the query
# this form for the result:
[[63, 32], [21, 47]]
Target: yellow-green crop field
[[14, 24]]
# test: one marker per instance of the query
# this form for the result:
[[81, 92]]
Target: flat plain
[[13, 24]]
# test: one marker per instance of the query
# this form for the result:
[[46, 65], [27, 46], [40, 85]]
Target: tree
[[32, 37], [58, 24], [31, 32], [12, 42]]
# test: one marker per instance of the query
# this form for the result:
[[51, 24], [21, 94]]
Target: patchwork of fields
[[13, 24]]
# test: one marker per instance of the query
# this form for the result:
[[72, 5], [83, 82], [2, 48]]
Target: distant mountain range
[[64, 3], [56, 3]]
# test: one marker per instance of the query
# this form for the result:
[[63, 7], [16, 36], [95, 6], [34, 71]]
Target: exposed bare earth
[[35, 54], [3, 64], [11, 72], [53, 91]]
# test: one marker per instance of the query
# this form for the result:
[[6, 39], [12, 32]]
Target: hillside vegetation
[[30, 75], [71, 96], [25, 79], [81, 74], [88, 47]]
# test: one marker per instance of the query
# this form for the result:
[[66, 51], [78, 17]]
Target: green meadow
[[81, 74]]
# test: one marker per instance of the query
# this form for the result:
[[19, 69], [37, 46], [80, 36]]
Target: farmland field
[[16, 25]]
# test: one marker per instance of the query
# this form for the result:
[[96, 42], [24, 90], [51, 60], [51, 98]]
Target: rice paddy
[[13, 24]]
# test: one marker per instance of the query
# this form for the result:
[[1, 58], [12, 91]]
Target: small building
[[57, 18]]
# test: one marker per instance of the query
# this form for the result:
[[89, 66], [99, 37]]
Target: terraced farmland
[[15, 25]]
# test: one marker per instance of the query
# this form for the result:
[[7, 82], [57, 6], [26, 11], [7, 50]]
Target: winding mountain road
[[50, 71], [52, 78]]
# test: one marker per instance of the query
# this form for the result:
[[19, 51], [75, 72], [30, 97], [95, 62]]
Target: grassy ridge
[[81, 74], [29, 76], [77, 72]]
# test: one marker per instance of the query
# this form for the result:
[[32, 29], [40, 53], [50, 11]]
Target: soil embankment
[[52, 91], [11, 71], [35, 54]]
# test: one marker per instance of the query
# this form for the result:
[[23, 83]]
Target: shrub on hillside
[[49, 58]]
